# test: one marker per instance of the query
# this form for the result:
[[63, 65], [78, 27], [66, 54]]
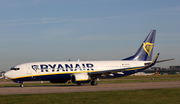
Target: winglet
[[153, 62], [155, 59]]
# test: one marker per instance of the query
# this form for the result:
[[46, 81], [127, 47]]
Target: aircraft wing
[[147, 65]]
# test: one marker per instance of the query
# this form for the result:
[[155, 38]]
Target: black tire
[[21, 85], [94, 82]]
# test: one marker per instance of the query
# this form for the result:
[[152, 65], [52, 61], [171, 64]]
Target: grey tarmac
[[87, 87]]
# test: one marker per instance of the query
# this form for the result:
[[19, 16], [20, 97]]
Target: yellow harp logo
[[148, 47]]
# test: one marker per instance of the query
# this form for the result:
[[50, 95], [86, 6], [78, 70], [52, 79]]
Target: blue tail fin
[[146, 50]]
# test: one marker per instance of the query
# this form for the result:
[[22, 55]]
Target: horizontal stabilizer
[[165, 60], [155, 61]]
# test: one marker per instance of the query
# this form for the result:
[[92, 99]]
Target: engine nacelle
[[80, 78]]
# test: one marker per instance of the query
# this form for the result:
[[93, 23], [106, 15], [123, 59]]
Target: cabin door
[[29, 70]]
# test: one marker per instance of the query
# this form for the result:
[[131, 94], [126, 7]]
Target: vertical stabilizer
[[146, 50]]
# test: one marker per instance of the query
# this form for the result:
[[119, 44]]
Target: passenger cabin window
[[14, 68]]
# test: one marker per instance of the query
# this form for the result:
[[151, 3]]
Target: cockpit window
[[14, 68]]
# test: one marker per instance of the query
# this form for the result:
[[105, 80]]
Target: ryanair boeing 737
[[86, 71]]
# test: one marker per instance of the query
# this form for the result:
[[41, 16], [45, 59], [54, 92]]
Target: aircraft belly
[[44, 77]]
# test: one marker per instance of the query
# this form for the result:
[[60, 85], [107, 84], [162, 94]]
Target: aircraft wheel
[[21, 85], [94, 82]]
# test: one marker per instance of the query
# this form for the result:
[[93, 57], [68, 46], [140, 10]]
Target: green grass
[[140, 80], [1, 80], [148, 96], [150, 76], [127, 79], [35, 84]]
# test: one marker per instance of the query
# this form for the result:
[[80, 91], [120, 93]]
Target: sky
[[59, 30]]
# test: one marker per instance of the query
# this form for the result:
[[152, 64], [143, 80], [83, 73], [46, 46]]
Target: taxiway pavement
[[87, 87]]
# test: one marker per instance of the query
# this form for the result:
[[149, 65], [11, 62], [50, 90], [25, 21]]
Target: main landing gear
[[21, 83], [94, 82]]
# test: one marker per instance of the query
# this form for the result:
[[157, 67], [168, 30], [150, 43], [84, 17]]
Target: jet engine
[[80, 78]]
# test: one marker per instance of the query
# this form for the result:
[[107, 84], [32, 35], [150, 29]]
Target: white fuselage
[[69, 67]]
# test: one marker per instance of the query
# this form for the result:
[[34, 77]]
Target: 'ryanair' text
[[65, 67]]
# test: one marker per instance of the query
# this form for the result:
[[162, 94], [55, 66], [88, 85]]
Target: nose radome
[[7, 74]]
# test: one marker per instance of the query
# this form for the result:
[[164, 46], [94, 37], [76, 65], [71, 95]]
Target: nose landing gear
[[22, 85]]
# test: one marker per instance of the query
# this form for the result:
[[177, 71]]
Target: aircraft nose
[[7, 74]]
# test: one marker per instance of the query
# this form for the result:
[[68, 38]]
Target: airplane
[[142, 73], [156, 73], [2, 76], [81, 72]]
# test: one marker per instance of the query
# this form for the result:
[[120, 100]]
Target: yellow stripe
[[134, 68], [83, 80], [155, 58]]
